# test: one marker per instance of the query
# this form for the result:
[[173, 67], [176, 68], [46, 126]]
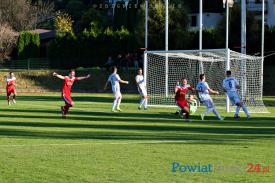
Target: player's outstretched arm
[[58, 75], [124, 82], [84, 77], [213, 91], [105, 86]]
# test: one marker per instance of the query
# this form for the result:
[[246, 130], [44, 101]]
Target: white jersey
[[203, 86], [141, 85], [140, 81], [230, 84], [114, 79], [10, 80]]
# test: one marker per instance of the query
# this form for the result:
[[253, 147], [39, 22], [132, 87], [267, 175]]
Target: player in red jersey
[[180, 97], [10, 88], [68, 82]]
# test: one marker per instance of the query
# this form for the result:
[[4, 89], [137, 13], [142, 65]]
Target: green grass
[[95, 145]]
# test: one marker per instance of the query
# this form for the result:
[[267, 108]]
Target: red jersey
[[67, 85], [11, 82], [182, 90]]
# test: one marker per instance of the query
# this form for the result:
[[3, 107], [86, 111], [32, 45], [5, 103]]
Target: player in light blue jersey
[[205, 98], [230, 86]]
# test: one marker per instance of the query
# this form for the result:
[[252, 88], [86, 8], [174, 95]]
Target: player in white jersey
[[115, 81], [205, 97], [230, 86], [141, 89]]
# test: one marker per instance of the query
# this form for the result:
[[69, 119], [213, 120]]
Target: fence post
[[28, 63]]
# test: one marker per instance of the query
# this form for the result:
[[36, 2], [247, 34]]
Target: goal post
[[162, 70]]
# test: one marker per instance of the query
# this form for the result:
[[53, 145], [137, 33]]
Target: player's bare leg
[[186, 111], [9, 103], [13, 99]]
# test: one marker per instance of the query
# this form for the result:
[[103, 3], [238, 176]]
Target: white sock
[[216, 113], [237, 110], [142, 100], [245, 110], [118, 102], [145, 102], [114, 104], [208, 110]]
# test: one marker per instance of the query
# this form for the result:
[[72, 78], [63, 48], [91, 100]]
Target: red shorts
[[182, 104], [10, 90], [67, 99]]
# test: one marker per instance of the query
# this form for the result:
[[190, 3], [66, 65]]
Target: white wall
[[271, 13]]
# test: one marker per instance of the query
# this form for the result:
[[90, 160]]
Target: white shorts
[[142, 92], [117, 93], [234, 97], [208, 103]]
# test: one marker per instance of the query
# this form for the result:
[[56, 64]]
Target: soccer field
[[95, 145]]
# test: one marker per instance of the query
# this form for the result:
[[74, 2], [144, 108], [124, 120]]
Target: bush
[[28, 45]]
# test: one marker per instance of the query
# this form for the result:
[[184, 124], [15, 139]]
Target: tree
[[63, 24], [252, 29], [131, 15], [8, 39], [178, 25], [23, 15], [93, 15], [120, 14]]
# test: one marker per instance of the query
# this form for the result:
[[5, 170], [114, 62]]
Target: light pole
[[227, 4], [146, 24]]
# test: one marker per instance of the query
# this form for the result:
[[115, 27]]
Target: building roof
[[44, 33]]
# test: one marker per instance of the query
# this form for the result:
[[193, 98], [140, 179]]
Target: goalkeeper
[[205, 98], [181, 101]]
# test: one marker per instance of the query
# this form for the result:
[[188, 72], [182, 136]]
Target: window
[[194, 21]]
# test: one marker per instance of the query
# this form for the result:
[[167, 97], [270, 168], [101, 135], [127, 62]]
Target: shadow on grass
[[135, 132], [103, 135], [137, 118], [76, 99]]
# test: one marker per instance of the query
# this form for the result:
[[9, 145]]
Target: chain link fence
[[28, 64]]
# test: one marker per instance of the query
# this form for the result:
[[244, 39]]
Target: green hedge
[[28, 45]]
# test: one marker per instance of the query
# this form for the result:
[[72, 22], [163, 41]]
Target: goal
[[162, 70]]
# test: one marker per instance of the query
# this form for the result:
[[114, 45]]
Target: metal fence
[[29, 64]]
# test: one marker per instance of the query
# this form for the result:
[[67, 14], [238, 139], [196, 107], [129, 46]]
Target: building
[[211, 17]]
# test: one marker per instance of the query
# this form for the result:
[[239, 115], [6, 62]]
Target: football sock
[[216, 113], [208, 110], [245, 110], [118, 102], [237, 110], [141, 102], [145, 102], [114, 104]]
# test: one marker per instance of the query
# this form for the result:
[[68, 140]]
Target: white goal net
[[162, 70]]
